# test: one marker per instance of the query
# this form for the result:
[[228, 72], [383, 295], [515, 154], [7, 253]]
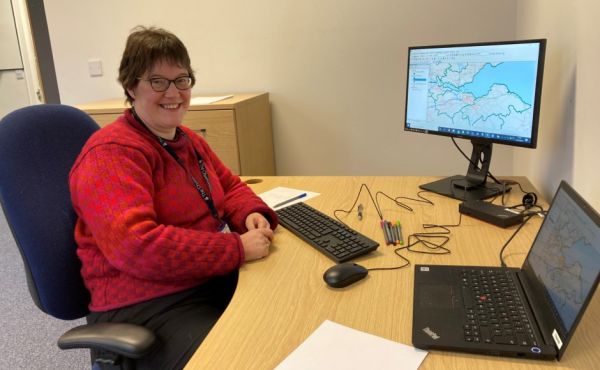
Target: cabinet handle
[[203, 132]]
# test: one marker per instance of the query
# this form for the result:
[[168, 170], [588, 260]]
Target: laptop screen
[[565, 256]]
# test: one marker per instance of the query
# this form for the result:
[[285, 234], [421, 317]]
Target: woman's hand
[[256, 243], [258, 238], [256, 221]]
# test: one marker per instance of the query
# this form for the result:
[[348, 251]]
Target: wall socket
[[95, 67]]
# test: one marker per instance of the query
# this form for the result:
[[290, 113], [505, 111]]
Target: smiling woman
[[160, 104], [163, 224], [151, 61]]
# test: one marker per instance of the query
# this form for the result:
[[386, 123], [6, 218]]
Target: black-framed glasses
[[160, 84]]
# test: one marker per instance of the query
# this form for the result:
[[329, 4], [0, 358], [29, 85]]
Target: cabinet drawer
[[105, 119], [217, 127]]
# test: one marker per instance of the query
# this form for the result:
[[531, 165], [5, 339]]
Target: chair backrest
[[38, 146]]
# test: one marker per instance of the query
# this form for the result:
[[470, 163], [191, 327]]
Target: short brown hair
[[145, 47]]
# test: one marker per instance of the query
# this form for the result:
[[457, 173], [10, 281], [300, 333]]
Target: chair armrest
[[132, 341]]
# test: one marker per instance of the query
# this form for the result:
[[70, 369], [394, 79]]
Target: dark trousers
[[180, 321]]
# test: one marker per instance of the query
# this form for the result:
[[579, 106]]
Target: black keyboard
[[334, 239], [494, 311]]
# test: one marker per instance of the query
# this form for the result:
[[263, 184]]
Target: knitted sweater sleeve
[[112, 191]]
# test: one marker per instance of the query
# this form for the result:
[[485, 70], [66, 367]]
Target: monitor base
[[448, 187]]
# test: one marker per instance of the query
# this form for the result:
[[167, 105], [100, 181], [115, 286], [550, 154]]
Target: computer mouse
[[344, 274]]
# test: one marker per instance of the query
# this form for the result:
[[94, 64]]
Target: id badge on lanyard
[[224, 228]]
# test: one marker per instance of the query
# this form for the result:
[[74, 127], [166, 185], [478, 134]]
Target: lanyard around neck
[[205, 196]]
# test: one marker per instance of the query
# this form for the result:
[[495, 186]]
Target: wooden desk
[[238, 129], [282, 299]]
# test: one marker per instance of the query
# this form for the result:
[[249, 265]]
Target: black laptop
[[529, 312]]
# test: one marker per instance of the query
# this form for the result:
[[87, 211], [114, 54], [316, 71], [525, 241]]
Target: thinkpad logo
[[431, 333]]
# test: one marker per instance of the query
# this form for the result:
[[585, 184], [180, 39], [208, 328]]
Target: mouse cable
[[527, 218], [397, 251]]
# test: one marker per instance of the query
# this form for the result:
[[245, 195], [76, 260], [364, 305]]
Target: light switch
[[95, 67]]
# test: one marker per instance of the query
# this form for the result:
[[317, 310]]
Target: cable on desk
[[512, 182], [423, 238], [527, 218], [375, 201], [403, 205], [395, 200], [397, 251], [542, 211], [363, 186]]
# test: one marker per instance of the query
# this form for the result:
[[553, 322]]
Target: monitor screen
[[485, 92]]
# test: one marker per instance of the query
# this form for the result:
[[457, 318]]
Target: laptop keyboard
[[494, 311]]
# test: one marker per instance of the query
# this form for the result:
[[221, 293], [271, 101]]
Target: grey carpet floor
[[27, 335]]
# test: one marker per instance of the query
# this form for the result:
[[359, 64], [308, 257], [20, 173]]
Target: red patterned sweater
[[143, 229]]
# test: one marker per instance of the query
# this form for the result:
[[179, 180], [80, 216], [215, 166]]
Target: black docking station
[[492, 213]]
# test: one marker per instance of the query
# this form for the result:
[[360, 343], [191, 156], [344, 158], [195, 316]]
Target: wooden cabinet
[[238, 129]]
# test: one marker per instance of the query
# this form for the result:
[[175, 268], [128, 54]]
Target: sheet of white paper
[[334, 346], [281, 194], [200, 100]]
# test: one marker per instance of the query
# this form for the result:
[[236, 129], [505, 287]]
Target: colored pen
[[391, 232], [386, 235], [395, 232], [400, 232], [289, 200]]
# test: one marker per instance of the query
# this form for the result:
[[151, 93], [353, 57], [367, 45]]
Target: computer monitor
[[486, 92]]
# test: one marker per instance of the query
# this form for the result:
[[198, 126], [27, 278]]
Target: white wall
[[569, 132], [335, 69], [586, 175]]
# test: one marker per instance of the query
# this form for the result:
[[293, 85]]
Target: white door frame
[[28, 54]]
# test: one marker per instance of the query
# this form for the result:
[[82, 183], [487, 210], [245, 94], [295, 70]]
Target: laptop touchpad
[[435, 296]]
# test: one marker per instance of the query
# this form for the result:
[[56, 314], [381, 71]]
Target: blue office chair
[[38, 146]]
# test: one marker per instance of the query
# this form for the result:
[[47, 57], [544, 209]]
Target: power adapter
[[492, 213]]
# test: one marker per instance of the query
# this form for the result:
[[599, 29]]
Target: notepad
[[281, 194], [335, 346]]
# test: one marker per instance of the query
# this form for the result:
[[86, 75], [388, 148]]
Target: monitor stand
[[473, 186], [451, 187]]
